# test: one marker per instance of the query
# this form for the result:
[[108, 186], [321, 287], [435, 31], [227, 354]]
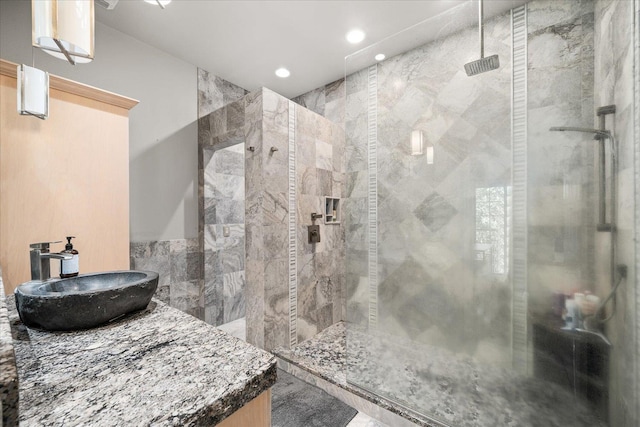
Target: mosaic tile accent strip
[[519, 179], [372, 135], [293, 265]]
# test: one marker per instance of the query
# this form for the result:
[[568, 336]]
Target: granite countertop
[[156, 367], [8, 372]]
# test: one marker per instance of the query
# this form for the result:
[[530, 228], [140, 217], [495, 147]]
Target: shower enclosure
[[483, 285]]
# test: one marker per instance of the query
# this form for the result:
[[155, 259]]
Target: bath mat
[[295, 403]]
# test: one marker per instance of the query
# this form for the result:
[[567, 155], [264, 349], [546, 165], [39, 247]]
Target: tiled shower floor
[[442, 384], [237, 328]]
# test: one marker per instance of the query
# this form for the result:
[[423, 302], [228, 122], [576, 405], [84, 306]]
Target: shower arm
[[481, 27]]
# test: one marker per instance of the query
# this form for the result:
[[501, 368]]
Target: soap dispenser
[[69, 267]]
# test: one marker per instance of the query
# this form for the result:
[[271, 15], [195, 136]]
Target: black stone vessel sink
[[84, 301]]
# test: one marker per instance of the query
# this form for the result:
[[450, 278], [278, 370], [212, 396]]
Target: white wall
[[163, 160]]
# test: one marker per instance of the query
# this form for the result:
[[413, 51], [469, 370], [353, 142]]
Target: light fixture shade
[[429, 148], [64, 28], [33, 92], [417, 141], [419, 146]]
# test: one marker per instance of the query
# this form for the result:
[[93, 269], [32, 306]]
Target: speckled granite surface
[[8, 371], [156, 367], [451, 388]]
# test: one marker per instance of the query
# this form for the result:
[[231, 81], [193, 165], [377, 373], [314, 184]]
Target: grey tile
[[435, 212]]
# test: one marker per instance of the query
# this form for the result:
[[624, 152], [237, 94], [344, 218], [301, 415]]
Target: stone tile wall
[[223, 152], [319, 159], [221, 198], [430, 286], [260, 121], [178, 264], [613, 84], [561, 179], [224, 238], [328, 101], [215, 92]]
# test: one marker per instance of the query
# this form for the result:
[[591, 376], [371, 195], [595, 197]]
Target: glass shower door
[[469, 223]]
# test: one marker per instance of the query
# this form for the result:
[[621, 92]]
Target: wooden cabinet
[[64, 176], [256, 413]]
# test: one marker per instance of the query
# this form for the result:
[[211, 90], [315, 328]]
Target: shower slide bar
[[601, 135]]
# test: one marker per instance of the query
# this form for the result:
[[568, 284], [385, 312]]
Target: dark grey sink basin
[[84, 301]]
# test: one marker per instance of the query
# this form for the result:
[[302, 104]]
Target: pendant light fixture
[[64, 28], [33, 92]]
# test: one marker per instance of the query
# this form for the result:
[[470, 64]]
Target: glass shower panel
[[469, 223]]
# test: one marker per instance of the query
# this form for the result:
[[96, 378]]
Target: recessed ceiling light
[[282, 72], [161, 3], [355, 36], [379, 57]]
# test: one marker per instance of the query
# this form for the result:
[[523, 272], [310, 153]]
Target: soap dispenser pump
[[69, 267]]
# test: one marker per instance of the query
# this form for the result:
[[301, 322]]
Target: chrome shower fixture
[[617, 272], [483, 64], [601, 135], [598, 134]]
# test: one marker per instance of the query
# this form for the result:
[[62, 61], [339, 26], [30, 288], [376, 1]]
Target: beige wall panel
[[67, 175]]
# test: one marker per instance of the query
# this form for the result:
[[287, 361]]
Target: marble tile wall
[[430, 287], [223, 217], [320, 146], [561, 177], [274, 202], [178, 265], [328, 101], [215, 92], [224, 274], [613, 84], [220, 198], [260, 121]]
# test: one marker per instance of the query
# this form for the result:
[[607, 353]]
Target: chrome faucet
[[40, 256]]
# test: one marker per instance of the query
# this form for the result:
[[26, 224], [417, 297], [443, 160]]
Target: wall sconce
[[33, 92], [64, 28], [161, 3], [418, 146]]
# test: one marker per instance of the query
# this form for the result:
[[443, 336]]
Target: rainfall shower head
[[597, 134], [483, 64]]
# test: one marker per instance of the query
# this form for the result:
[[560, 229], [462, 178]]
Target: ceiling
[[244, 42]]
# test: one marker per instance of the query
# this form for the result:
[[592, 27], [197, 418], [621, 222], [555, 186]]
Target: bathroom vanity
[[159, 366]]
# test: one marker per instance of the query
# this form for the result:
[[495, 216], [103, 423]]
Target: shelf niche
[[331, 210]]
